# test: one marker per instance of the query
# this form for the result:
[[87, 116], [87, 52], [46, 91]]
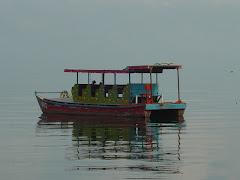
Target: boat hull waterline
[[130, 110]]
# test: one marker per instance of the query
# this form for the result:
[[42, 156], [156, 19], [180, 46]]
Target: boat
[[123, 100]]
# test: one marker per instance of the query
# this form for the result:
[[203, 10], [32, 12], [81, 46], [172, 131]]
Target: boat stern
[[165, 110]]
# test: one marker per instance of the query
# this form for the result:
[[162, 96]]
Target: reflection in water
[[145, 145]]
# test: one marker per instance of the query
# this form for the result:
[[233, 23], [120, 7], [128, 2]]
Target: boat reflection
[[107, 138]]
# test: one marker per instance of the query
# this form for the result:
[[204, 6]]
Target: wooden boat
[[128, 100]]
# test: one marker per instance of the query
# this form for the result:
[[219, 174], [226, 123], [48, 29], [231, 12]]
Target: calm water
[[203, 146]]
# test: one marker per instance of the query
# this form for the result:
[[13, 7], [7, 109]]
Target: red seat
[[149, 100]]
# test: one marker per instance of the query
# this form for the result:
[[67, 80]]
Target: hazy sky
[[39, 38]]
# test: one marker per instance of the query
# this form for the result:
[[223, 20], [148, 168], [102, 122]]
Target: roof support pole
[[88, 78], [129, 78], [179, 99], [103, 78], [151, 76], [115, 79], [142, 79], [77, 78], [77, 85], [156, 78], [151, 85]]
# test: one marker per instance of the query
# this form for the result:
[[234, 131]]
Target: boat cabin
[[121, 94]]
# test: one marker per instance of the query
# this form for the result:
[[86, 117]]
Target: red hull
[[48, 106]]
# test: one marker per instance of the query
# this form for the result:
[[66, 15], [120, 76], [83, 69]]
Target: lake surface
[[205, 145]]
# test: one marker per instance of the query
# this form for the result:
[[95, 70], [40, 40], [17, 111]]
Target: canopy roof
[[94, 71], [130, 69], [151, 68]]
